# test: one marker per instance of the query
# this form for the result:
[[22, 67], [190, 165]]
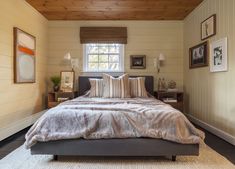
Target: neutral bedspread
[[96, 118]]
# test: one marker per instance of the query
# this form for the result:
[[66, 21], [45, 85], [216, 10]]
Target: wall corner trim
[[19, 125], [223, 135]]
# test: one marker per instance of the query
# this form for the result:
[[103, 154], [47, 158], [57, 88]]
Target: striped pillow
[[96, 87], [116, 87], [137, 87]]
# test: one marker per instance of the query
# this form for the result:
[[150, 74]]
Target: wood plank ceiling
[[114, 9]]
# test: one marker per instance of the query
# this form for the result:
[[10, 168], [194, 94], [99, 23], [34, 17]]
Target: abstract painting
[[24, 57], [218, 59]]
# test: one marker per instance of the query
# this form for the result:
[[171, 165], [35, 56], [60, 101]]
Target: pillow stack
[[116, 87], [137, 87], [121, 87], [96, 87]]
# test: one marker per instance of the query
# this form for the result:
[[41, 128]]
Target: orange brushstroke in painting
[[26, 50]]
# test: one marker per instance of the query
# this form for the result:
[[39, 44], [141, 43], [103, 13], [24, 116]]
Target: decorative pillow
[[116, 87], [137, 87], [96, 87]]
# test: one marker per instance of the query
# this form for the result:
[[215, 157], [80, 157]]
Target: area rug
[[22, 159]]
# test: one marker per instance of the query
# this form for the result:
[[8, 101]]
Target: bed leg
[[173, 158], [55, 157]]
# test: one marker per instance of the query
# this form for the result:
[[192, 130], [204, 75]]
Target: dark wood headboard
[[84, 84]]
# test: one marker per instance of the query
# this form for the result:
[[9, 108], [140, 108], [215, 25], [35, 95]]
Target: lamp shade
[[161, 57], [67, 56]]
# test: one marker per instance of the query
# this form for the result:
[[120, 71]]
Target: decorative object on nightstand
[[172, 86], [55, 98], [161, 84], [175, 99], [56, 83]]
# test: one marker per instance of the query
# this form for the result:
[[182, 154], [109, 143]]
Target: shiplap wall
[[19, 101], [149, 38], [210, 96]]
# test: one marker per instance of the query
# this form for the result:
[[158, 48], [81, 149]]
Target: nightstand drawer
[[177, 96], [52, 98], [52, 104], [178, 105]]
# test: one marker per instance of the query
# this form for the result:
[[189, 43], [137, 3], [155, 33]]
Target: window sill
[[100, 73]]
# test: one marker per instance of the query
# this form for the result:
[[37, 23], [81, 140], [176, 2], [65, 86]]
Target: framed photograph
[[208, 27], [198, 55], [138, 61], [24, 57], [218, 53], [67, 81]]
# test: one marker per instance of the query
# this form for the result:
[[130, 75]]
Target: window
[[103, 57]]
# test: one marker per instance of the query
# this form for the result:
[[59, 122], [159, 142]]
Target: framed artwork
[[208, 27], [67, 81], [137, 61], [218, 53], [24, 57], [198, 55]]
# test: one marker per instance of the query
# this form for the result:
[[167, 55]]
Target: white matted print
[[67, 81], [218, 53]]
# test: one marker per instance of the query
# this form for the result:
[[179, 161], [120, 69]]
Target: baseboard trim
[[19, 125], [225, 136]]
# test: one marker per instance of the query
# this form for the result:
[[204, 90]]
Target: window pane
[[114, 66], [93, 49], [93, 66], [103, 49], [103, 66], [93, 58], [113, 58], [114, 49], [103, 58]]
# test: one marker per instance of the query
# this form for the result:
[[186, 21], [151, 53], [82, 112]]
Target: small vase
[[56, 88]]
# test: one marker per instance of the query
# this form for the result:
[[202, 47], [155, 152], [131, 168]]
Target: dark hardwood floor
[[227, 150]]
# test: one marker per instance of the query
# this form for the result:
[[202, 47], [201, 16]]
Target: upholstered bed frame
[[147, 147]]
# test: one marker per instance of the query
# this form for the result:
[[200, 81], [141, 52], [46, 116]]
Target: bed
[[140, 146]]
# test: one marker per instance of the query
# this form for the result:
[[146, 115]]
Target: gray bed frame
[[131, 147]]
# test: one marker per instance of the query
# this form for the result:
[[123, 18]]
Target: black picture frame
[[198, 55], [137, 61]]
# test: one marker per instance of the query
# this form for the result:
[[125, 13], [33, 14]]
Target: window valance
[[103, 35]]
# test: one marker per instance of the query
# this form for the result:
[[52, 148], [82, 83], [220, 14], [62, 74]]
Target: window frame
[[85, 60]]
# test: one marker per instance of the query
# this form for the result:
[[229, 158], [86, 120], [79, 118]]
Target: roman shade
[[103, 35]]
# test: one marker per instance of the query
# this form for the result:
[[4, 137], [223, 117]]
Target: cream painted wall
[[20, 101], [144, 37], [210, 96]]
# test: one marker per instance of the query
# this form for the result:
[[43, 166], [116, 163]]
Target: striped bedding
[[137, 87], [116, 87], [96, 87]]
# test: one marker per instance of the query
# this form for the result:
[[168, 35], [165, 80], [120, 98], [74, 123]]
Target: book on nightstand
[[62, 99], [169, 100]]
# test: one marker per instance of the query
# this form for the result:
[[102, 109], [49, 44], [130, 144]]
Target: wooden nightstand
[[52, 98], [178, 96]]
